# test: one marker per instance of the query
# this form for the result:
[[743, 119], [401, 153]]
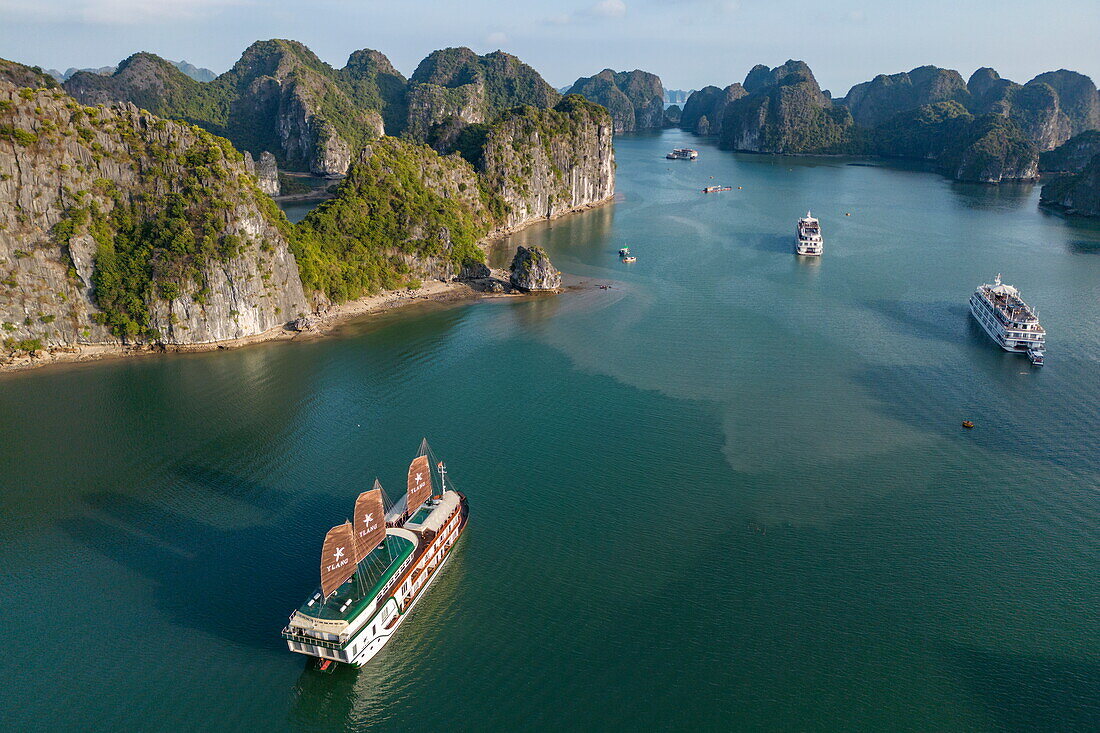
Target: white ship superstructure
[[807, 237], [1008, 320], [375, 569]]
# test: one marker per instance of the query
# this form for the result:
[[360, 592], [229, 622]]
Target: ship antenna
[[442, 478]]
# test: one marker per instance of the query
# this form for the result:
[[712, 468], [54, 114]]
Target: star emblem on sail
[[369, 533], [336, 571], [419, 487]]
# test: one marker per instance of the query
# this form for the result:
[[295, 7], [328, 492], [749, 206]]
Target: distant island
[[987, 129], [195, 72]]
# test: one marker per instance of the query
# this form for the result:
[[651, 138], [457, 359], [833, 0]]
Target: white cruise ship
[[1009, 320], [683, 154], [807, 237], [376, 568]]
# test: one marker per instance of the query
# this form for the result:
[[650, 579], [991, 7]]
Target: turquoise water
[[729, 492]]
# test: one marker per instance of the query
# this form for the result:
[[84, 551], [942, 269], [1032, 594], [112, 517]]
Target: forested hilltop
[[280, 97], [121, 226], [985, 129]]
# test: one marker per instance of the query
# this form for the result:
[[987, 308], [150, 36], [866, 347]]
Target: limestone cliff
[[1073, 155], [456, 82], [1049, 109], [544, 163], [635, 99], [117, 226], [706, 108], [266, 171], [279, 96], [25, 76], [987, 149], [784, 111], [1075, 194], [532, 270], [875, 101], [403, 212]]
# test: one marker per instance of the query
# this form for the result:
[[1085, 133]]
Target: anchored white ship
[[807, 236], [683, 154], [1008, 320], [376, 568]]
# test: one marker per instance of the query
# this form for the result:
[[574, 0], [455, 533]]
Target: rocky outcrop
[[25, 76], [403, 212], [456, 82], [532, 270], [784, 111], [1073, 155], [1075, 194], [545, 163], [672, 115], [279, 96], [875, 101], [705, 109], [120, 227], [635, 99], [266, 172], [988, 149], [1049, 109]]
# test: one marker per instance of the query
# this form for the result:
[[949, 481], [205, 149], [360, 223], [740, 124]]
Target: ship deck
[[375, 571]]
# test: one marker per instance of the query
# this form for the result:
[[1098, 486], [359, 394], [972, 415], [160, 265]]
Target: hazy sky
[[689, 43]]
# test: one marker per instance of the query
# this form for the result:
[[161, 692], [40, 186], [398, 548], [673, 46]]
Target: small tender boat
[[623, 252], [630, 259], [1035, 354], [716, 189], [967, 424]]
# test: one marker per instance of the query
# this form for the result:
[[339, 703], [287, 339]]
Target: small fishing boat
[[967, 424], [623, 252], [630, 259], [716, 189]]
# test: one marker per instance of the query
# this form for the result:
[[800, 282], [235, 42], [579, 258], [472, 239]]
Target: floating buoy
[[739, 188], [967, 424]]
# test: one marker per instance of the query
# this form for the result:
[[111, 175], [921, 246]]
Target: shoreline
[[319, 324]]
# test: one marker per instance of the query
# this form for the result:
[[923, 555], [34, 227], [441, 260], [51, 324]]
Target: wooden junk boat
[[376, 568]]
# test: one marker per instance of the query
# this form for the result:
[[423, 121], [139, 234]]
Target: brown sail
[[420, 483], [369, 522], [337, 558]]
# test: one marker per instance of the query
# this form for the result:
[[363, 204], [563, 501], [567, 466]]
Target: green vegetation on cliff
[[635, 99], [26, 76], [401, 202], [151, 246], [279, 97]]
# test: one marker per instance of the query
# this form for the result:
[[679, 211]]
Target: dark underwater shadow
[[999, 197], [776, 243], [238, 583], [1031, 693], [938, 321]]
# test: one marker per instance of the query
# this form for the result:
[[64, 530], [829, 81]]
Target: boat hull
[[371, 649], [992, 332], [408, 588]]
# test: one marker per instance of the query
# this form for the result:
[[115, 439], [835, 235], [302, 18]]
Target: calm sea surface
[[730, 492]]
